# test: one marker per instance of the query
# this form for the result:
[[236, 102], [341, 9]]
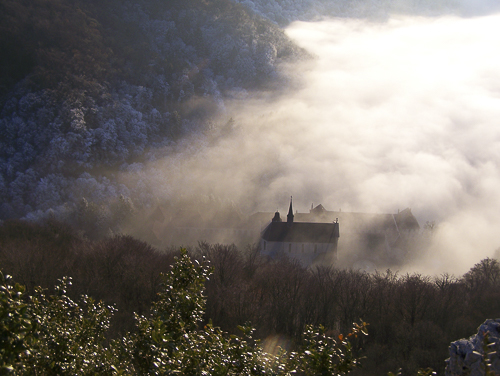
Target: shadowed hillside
[[88, 88]]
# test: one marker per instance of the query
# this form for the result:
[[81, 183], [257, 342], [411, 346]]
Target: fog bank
[[409, 110], [387, 115]]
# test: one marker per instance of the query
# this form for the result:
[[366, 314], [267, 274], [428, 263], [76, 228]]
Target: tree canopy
[[52, 334]]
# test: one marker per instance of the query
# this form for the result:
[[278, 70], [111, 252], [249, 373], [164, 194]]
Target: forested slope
[[91, 87]]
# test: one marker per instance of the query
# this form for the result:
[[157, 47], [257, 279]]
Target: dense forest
[[89, 89], [412, 317], [50, 333]]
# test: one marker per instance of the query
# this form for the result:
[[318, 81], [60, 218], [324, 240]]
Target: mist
[[386, 115], [406, 112]]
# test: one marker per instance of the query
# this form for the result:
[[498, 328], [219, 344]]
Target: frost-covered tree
[[106, 83]]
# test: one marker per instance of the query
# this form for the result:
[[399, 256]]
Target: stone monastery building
[[307, 242], [368, 239]]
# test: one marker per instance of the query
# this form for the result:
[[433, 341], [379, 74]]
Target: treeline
[[413, 318]]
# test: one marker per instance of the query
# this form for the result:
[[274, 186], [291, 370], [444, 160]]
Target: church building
[[306, 242]]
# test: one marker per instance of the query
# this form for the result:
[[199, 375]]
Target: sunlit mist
[[387, 115], [410, 110]]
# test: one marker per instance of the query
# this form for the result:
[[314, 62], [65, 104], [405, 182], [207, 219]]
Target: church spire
[[289, 217]]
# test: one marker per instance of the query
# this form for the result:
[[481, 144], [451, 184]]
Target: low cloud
[[387, 115], [412, 106]]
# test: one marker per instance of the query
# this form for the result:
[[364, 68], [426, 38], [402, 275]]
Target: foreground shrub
[[52, 334]]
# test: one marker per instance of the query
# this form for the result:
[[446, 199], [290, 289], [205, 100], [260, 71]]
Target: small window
[[265, 243], [290, 247], [315, 248], [302, 248]]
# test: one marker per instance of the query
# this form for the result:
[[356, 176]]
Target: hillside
[[88, 88]]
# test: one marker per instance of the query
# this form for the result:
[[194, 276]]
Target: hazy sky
[[388, 115]]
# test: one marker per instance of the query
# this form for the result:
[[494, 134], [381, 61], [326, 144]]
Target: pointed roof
[[406, 220], [289, 217], [318, 209]]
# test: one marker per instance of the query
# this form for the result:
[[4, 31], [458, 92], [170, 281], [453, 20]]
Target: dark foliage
[[56, 335], [413, 318]]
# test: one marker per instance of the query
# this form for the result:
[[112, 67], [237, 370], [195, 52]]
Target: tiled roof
[[301, 232]]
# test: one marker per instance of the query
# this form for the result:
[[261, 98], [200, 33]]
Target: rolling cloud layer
[[387, 115]]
